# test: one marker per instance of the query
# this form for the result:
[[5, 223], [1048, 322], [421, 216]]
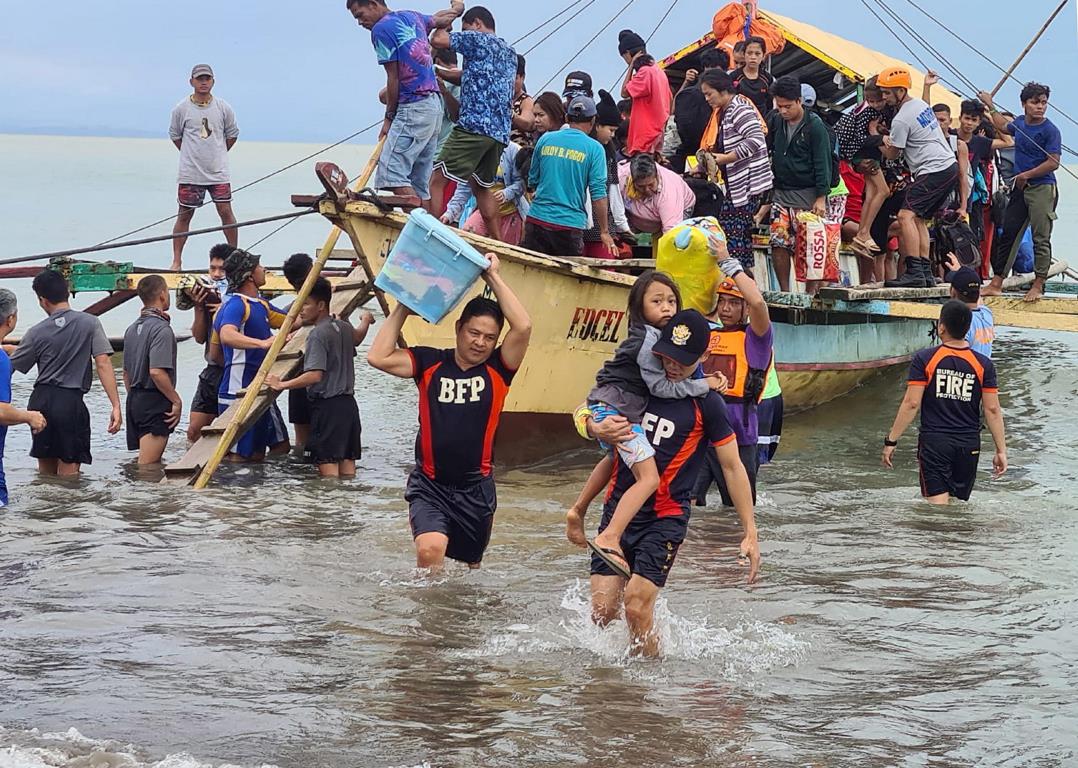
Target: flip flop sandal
[[869, 245], [608, 556]]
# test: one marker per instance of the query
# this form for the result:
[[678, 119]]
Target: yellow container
[[690, 253]]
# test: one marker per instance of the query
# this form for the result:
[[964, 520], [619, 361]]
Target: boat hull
[[579, 318]]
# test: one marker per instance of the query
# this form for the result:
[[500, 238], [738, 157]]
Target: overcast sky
[[304, 71]]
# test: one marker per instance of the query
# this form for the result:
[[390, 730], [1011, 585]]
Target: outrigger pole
[[1028, 48], [229, 436]]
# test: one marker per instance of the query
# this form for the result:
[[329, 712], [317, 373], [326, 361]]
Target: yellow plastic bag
[[690, 254]]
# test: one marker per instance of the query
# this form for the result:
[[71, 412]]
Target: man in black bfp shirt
[[949, 383], [451, 493], [682, 431]]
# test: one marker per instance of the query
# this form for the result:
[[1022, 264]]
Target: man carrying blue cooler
[[451, 493]]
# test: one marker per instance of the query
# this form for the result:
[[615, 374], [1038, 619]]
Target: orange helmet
[[729, 288], [895, 77]]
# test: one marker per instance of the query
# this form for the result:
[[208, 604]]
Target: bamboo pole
[[1028, 48], [229, 436]]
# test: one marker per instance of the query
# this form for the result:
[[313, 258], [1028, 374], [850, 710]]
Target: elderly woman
[[739, 153], [656, 198]]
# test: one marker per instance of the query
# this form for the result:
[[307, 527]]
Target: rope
[[531, 32], [646, 40], [257, 243], [977, 51], [554, 31], [159, 238], [252, 183], [585, 46]]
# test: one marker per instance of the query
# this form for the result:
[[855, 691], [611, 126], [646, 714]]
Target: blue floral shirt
[[401, 36], [490, 68]]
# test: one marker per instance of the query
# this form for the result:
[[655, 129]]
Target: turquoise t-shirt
[[566, 166]]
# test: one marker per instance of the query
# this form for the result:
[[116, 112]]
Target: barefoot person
[[948, 384], [153, 406], [206, 303], [681, 432], [62, 347], [204, 129], [9, 415], [451, 493]]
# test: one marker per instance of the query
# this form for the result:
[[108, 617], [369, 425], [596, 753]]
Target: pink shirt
[[665, 210], [650, 92]]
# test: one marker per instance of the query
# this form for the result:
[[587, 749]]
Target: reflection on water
[[276, 618]]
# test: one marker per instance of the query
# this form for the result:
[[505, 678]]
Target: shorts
[[335, 430], [299, 406], [467, 157], [553, 241], [67, 434], [209, 383], [929, 193], [408, 157], [465, 514], [948, 464], [194, 195], [769, 413], [650, 547], [784, 227], [634, 451], [146, 411], [267, 432]]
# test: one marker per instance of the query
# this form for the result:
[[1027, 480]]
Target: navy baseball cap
[[967, 282], [685, 338]]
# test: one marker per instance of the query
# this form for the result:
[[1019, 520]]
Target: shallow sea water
[[276, 619]]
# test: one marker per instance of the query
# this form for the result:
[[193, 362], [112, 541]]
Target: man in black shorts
[[451, 493], [916, 135], [682, 431], [948, 383], [62, 347], [295, 270], [207, 301], [153, 406]]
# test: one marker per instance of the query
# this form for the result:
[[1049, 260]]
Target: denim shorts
[[632, 452], [408, 158]]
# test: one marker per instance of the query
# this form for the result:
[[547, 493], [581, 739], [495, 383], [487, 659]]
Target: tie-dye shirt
[[486, 84], [401, 36]]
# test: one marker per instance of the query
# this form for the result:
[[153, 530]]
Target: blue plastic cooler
[[430, 267]]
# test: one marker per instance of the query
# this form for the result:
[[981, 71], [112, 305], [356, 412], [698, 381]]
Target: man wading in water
[[681, 431], [451, 493]]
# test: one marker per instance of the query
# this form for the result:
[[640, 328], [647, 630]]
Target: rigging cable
[[532, 31], [585, 46], [554, 31], [646, 40]]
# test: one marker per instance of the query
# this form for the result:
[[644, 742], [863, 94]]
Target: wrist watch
[[888, 442]]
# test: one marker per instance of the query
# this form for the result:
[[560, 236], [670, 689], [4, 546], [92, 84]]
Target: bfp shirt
[[682, 431], [459, 413], [954, 380], [62, 346], [252, 317]]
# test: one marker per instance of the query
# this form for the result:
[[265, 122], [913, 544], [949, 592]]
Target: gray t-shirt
[[917, 133], [331, 349], [62, 347], [149, 343], [204, 130]]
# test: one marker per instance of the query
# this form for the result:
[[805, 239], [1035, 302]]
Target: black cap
[[685, 338], [967, 282], [607, 110], [629, 41], [576, 84]]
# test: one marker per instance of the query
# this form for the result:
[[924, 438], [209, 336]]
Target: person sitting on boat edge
[[413, 114], [916, 136], [9, 415], [329, 381], [149, 373], [948, 384], [203, 128], [742, 350], [206, 303], [474, 148], [682, 432], [1037, 153], [62, 347], [243, 328], [649, 89], [966, 287], [622, 388], [451, 492], [509, 192], [567, 165]]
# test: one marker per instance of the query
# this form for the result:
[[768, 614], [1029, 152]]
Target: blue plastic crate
[[430, 268]]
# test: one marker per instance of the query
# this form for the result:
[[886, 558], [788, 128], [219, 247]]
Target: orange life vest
[[726, 355]]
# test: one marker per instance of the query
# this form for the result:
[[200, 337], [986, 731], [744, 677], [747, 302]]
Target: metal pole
[[1028, 48]]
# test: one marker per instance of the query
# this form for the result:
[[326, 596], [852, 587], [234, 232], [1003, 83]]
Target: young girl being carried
[[622, 388], [859, 136]]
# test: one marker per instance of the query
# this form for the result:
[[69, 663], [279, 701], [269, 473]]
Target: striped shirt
[[740, 132]]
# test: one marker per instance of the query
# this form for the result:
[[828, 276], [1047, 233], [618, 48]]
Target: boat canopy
[[834, 66]]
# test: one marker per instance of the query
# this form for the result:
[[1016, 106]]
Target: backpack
[[955, 236]]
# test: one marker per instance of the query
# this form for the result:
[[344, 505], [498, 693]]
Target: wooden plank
[[616, 263], [1044, 315], [877, 291]]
